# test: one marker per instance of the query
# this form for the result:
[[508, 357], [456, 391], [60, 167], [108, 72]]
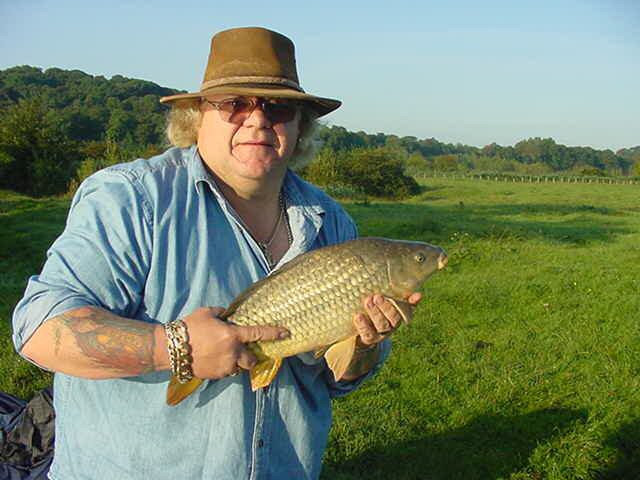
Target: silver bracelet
[[179, 350]]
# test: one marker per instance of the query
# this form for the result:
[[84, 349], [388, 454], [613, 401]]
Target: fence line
[[497, 177]]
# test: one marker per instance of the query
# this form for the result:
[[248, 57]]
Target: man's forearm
[[361, 363], [91, 342]]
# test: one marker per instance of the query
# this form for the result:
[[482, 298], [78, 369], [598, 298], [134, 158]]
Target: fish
[[316, 296]]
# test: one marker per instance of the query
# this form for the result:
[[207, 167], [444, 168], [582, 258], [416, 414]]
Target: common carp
[[316, 295]]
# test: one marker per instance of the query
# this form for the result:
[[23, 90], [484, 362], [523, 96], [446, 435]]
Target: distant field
[[523, 362]]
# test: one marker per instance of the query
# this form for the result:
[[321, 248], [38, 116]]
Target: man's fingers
[[366, 330], [390, 312], [247, 334], [383, 314], [377, 318], [246, 359]]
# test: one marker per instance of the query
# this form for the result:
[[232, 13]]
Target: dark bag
[[26, 436]]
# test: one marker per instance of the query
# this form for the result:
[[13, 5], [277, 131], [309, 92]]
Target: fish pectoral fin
[[264, 372], [176, 392], [405, 309], [339, 356]]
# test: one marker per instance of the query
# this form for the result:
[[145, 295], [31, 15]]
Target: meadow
[[522, 362]]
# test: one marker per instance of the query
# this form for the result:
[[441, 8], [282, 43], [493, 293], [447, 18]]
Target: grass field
[[523, 362]]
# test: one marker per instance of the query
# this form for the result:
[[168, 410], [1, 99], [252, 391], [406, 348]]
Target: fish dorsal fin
[[264, 372], [339, 356], [176, 391]]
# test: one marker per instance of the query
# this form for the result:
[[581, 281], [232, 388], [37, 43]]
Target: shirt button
[[260, 443]]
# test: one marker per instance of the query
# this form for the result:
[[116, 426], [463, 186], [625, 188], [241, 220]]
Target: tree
[[445, 163], [121, 126], [339, 138], [37, 157], [416, 163]]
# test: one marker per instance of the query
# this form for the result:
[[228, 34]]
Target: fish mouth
[[442, 260]]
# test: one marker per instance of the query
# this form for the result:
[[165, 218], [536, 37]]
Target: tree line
[[59, 126], [535, 156]]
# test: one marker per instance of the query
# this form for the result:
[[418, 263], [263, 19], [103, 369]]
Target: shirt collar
[[199, 172], [299, 198]]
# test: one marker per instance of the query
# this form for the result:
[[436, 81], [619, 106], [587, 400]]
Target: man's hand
[[219, 348], [381, 319]]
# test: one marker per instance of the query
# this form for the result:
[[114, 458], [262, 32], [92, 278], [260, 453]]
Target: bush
[[376, 172], [592, 172]]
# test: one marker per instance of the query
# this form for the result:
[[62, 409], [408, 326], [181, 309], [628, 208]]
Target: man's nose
[[257, 118]]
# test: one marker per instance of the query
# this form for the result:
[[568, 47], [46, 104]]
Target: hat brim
[[320, 105]]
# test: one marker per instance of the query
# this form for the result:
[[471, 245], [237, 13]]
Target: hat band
[[250, 79]]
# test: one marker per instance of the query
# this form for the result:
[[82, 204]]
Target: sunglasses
[[237, 110]]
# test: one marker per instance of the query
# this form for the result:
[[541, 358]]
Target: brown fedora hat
[[254, 62]]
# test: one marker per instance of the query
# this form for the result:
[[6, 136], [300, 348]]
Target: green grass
[[523, 361], [28, 227]]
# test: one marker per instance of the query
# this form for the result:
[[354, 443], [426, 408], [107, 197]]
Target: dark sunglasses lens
[[279, 112], [235, 110], [238, 109]]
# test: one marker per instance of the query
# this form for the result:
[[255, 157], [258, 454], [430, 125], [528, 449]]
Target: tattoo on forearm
[[362, 363], [118, 344]]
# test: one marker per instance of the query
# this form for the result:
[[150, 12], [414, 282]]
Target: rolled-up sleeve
[[100, 259]]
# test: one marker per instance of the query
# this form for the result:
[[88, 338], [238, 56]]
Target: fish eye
[[419, 258]]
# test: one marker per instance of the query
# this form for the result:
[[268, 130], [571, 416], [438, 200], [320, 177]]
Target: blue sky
[[473, 72]]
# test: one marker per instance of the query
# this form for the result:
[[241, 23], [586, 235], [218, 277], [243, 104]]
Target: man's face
[[251, 149]]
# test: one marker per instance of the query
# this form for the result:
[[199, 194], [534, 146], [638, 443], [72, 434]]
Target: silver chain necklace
[[264, 246]]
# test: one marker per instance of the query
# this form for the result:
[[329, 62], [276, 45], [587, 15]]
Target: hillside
[[90, 107]]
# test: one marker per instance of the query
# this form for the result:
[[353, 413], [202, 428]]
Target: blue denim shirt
[[154, 240]]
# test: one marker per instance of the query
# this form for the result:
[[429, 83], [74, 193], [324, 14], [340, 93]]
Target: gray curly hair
[[185, 117]]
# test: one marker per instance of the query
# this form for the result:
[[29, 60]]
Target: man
[[163, 243]]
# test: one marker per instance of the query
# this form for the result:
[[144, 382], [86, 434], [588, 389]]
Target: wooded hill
[[57, 126], [88, 107]]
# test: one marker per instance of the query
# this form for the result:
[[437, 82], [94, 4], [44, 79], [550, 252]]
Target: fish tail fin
[[264, 372], [176, 392]]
